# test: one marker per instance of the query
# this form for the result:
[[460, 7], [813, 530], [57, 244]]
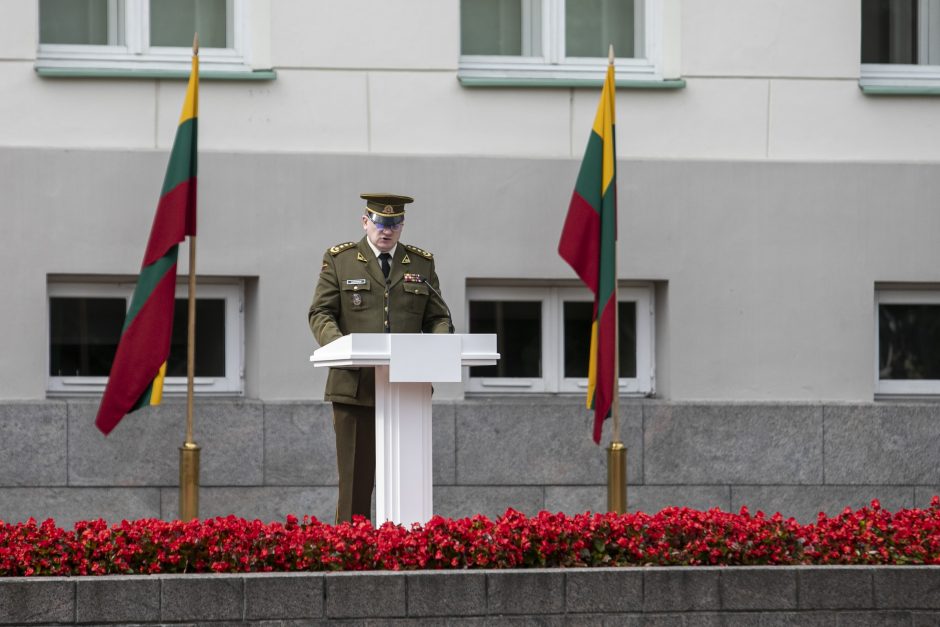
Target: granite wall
[[265, 460]]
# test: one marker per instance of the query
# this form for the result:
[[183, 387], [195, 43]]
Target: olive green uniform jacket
[[352, 297]]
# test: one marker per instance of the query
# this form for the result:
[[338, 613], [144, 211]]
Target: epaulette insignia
[[341, 247], [419, 251]]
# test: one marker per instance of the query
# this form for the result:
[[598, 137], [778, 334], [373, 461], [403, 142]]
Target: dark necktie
[[386, 266]]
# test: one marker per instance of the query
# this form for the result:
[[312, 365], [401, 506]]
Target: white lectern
[[406, 364]]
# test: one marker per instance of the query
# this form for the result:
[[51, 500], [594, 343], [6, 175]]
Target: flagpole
[[189, 452], [617, 453]]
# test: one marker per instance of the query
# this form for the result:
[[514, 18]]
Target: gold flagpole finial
[[196, 44], [610, 54]]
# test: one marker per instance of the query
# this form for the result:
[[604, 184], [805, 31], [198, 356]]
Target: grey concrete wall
[[769, 267], [267, 460], [779, 595]]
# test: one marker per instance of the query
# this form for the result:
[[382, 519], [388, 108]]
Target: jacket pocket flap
[[356, 285], [417, 288]]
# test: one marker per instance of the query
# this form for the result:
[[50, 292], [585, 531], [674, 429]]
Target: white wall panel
[[770, 267], [301, 110], [409, 34], [73, 113], [771, 38], [835, 120], [431, 113], [19, 29], [709, 119]]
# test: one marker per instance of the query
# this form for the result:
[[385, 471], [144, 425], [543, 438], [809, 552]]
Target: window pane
[[901, 31], [577, 332], [83, 335], [210, 338], [591, 26], [889, 31], [492, 27], [518, 329], [173, 22], [909, 338], [84, 22]]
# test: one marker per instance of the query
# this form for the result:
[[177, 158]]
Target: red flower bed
[[674, 536]]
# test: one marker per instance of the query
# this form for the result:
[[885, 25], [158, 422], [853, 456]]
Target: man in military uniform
[[373, 286]]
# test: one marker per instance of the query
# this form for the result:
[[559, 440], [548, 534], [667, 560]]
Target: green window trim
[[899, 90], [256, 75], [569, 82]]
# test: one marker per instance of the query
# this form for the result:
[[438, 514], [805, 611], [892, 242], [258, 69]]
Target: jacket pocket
[[356, 293], [343, 382], [416, 297]]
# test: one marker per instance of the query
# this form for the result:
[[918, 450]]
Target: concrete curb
[[721, 595]]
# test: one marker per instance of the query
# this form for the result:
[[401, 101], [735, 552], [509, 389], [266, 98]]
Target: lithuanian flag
[[588, 243], [140, 361]]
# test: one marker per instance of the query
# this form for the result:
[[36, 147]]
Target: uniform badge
[[359, 257], [355, 281], [406, 259], [356, 299], [413, 278]]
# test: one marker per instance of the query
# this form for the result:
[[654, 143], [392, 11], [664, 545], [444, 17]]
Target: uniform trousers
[[355, 459]]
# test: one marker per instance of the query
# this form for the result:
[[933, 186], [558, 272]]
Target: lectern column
[[403, 474]]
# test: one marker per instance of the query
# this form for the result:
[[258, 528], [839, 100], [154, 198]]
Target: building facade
[[777, 177]]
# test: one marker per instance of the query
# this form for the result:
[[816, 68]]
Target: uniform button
[[386, 310]]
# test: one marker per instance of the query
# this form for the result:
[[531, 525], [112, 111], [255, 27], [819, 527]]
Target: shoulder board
[[419, 251], [341, 247]]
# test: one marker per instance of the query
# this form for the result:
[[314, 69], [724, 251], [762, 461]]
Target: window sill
[[510, 81], [899, 80], [497, 72], [899, 90], [904, 398], [204, 75]]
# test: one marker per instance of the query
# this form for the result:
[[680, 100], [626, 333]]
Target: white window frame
[[891, 387], [554, 65], [500, 385], [902, 74], [231, 291], [138, 55], [642, 383], [553, 379]]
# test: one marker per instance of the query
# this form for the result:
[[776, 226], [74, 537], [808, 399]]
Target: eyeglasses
[[390, 227]]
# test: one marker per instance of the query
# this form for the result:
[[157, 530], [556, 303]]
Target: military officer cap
[[386, 209]]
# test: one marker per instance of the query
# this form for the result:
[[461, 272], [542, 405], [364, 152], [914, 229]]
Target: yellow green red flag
[[588, 243]]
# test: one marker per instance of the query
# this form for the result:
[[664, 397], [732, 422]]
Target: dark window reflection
[[909, 341], [84, 334], [518, 329], [210, 338], [889, 31], [578, 317]]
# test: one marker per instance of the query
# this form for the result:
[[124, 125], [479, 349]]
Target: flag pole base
[[617, 478], [189, 481]]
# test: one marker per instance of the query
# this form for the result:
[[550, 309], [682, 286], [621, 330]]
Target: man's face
[[382, 238]]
